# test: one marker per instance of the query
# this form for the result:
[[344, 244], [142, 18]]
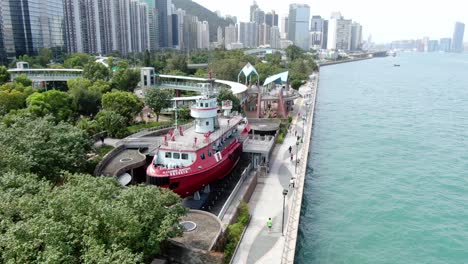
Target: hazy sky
[[385, 20]]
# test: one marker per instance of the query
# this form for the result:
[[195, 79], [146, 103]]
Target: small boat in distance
[[396, 65]]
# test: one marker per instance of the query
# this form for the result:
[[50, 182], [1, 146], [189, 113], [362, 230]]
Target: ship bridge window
[[202, 156], [184, 156], [209, 153], [206, 104], [176, 156], [207, 123], [168, 155]]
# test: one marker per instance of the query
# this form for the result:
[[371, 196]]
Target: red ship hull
[[196, 178]]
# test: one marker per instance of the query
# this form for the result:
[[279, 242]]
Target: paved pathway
[[258, 245], [107, 141]]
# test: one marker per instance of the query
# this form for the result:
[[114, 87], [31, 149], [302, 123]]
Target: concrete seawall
[[342, 61], [292, 228]]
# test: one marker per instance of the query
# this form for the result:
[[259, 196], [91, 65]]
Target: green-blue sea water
[[387, 178]]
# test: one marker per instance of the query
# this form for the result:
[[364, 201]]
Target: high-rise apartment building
[[29, 25], [445, 44], [356, 36], [339, 33], [248, 34], [219, 36], [203, 35], [190, 33], [284, 27], [457, 40], [152, 24], [264, 34], [275, 38], [230, 35], [298, 30]]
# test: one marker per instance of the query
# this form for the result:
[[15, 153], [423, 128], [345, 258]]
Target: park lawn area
[[138, 127]]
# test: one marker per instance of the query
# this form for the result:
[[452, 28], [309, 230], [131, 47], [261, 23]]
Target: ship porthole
[[126, 159]]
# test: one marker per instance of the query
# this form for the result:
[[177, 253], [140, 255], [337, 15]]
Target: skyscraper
[[356, 36], [248, 34], [298, 30], [264, 34], [29, 25], [163, 8], [339, 33], [457, 40], [152, 24], [445, 44], [316, 32], [258, 16], [219, 36], [325, 34], [180, 25], [271, 19], [275, 38], [190, 32], [253, 7], [284, 26], [230, 35], [203, 35], [2, 48]]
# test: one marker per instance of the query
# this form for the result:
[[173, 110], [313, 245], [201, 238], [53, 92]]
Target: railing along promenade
[[292, 226]]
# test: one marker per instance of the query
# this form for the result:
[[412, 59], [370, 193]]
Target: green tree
[[96, 71], [294, 52], [84, 220], [22, 80], [101, 86], [78, 61], [88, 125], [296, 84], [274, 59], [124, 103], [111, 122], [226, 94], [86, 96], [158, 99], [4, 75], [43, 147], [10, 100], [58, 104], [125, 79], [177, 62], [44, 57]]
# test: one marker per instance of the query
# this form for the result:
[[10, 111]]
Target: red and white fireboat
[[190, 159]]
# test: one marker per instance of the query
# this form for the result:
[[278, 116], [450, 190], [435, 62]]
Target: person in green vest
[[269, 224]]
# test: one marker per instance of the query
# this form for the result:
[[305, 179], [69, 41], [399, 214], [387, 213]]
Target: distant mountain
[[203, 14]]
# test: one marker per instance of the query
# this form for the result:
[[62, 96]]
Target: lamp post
[[297, 147], [285, 192]]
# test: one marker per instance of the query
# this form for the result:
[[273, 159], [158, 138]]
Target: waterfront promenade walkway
[[258, 245]]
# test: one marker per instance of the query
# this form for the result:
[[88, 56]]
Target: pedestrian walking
[[295, 133], [102, 139], [269, 224], [292, 155], [290, 149], [291, 182]]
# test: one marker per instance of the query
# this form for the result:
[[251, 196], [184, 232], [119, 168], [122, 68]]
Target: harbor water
[[387, 178]]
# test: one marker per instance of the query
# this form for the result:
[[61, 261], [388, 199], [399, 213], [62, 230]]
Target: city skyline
[[396, 20]]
